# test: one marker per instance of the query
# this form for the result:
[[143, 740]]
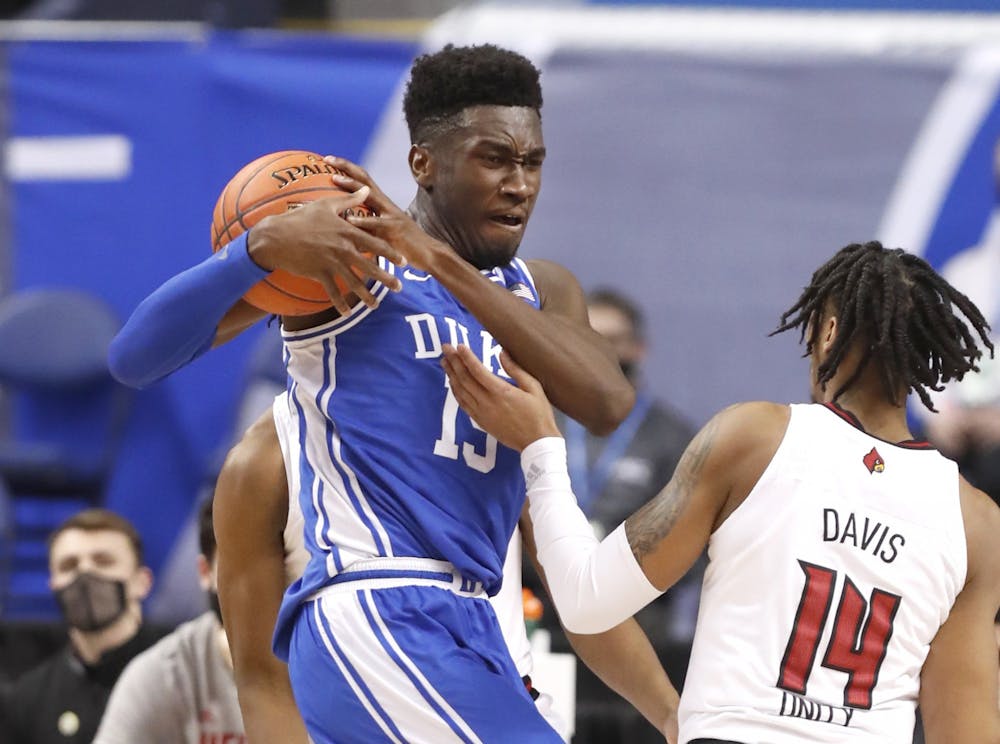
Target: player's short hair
[[206, 530], [895, 304], [613, 298], [447, 82], [100, 520]]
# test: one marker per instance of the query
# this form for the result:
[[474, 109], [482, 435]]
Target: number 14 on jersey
[[858, 642]]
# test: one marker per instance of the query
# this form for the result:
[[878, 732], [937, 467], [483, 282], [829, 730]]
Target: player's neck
[[877, 416], [431, 222]]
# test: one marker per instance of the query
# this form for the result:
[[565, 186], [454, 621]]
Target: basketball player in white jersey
[[260, 551], [853, 573]]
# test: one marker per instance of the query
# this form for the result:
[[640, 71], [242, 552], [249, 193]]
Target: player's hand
[[516, 416], [315, 241], [393, 225]]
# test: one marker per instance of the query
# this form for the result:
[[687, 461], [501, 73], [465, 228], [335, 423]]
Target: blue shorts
[[418, 664]]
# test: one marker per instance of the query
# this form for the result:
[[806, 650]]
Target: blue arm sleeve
[[176, 323]]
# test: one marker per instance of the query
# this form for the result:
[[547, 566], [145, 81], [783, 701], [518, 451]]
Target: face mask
[[92, 602], [213, 604]]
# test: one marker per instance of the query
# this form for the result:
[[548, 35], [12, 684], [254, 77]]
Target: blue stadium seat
[[66, 418]]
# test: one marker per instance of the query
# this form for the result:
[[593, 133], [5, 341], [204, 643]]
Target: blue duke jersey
[[390, 466]]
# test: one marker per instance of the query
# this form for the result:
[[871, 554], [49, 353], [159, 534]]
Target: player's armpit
[[250, 511], [958, 683], [237, 319]]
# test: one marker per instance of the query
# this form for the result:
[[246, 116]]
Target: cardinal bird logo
[[874, 462]]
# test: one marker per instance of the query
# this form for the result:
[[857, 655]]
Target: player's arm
[[143, 705], [958, 684], [576, 365], [596, 586], [642, 681], [249, 512], [201, 307]]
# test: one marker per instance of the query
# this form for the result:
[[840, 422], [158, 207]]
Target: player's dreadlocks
[[444, 83], [900, 309]]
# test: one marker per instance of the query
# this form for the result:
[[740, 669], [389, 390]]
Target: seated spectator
[[182, 689], [97, 574]]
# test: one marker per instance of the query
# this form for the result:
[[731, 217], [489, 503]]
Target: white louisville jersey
[[824, 590]]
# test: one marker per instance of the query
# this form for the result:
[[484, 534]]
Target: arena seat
[[66, 416]]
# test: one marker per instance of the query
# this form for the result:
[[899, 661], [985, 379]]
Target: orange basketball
[[273, 184]]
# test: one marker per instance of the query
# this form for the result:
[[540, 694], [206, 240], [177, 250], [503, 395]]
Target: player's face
[[486, 179]]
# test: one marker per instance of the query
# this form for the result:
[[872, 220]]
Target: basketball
[[273, 184]]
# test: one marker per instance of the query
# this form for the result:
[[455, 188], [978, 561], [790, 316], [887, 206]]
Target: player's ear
[[421, 166], [828, 332]]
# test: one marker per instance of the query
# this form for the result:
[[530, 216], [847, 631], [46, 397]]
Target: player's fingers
[[519, 374], [477, 371], [333, 291], [366, 242], [377, 199], [354, 285], [370, 268], [356, 197], [347, 183], [465, 390]]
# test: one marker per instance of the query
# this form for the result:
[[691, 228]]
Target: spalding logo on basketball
[[273, 184]]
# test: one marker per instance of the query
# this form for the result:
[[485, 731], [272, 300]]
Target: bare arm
[[641, 679], [598, 585], [250, 510], [715, 474], [958, 684], [575, 365]]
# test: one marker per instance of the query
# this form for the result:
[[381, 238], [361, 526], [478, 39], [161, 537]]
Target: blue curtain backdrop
[[194, 112], [707, 183]]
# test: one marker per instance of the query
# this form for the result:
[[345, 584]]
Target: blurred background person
[[619, 473], [967, 427], [99, 580], [182, 689]]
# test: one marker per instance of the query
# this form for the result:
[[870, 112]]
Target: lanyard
[[588, 482]]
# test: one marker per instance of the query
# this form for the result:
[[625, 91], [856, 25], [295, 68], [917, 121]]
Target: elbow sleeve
[[595, 585], [176, 323]]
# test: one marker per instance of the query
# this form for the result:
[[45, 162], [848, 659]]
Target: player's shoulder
[[555, 283], [258, 442], [746, 435], [753, 420]]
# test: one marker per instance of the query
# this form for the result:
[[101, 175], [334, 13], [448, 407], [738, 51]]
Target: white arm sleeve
[[595, 586]]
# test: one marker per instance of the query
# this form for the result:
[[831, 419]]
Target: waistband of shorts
[[388, 573]]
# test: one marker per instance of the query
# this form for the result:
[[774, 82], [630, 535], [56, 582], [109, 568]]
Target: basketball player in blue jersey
[[259, 554], [408, 505], [853, 572]]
